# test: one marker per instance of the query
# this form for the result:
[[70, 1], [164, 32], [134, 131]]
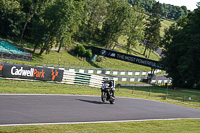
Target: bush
[[99, 59], [80, 50], [88, 53]]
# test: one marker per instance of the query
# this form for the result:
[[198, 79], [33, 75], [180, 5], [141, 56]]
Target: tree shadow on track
[[89, 101]]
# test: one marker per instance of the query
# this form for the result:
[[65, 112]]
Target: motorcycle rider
[[111, 86]]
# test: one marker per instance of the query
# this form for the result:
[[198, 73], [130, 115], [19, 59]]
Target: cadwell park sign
[[10, 70]]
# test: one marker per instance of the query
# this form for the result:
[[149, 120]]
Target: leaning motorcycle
[[106, 94]]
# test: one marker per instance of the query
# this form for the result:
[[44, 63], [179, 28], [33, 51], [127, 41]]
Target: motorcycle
[[107, 94]]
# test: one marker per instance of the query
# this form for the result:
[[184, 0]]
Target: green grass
[[165, 24], [169, 126], [37, 87]]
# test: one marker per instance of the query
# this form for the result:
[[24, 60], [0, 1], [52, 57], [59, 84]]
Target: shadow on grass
[[93, 64], [90, 62], [133, 51], [36, 57]]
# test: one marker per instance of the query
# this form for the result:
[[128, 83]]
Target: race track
[[57, 109]]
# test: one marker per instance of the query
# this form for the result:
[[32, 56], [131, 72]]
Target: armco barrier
[[82, 79], [112, 72], [139, 79], [101, 70], [161, 81]]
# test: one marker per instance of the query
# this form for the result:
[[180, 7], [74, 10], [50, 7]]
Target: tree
[[168, 11], [152, 30], [61, 17], [198, 4], [38, 32], [181, 53], [134, 27], [70, 20], [117, 13], [11, 18], [30, 8], [96, 14], [92, 19]]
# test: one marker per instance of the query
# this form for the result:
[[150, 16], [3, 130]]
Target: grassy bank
[[64, 58]]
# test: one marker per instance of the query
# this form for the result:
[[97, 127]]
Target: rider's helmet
[[106, 80]]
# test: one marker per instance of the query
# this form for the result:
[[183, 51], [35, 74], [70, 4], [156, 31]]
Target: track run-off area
[[44, 109]]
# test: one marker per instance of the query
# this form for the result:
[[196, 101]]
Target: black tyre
[[112, 101], [103, 96]]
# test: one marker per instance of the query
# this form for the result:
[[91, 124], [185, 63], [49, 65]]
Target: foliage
[[80, 50], [11, 18], [168, 11], [181, 53], [88, 53], [134, 27], [61, 17], [152, 30], [117, 14], [30, 8], [198, 4], [106, 20], [99, 59]]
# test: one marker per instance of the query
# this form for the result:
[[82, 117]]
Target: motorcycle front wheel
[[112, 99], [103, 96], [111, 102]]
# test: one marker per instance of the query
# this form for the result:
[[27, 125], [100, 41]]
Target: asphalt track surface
[[47, 109]]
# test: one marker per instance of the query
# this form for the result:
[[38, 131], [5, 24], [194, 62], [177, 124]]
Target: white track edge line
[[90, 122]]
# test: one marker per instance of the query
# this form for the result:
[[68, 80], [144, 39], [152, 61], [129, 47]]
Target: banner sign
[[31, 72], [126, 57]]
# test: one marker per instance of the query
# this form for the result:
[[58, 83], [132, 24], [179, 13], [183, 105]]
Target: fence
[[170, 95], [111, 72]]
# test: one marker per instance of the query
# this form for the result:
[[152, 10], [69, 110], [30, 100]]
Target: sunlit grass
[[162, 126]]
